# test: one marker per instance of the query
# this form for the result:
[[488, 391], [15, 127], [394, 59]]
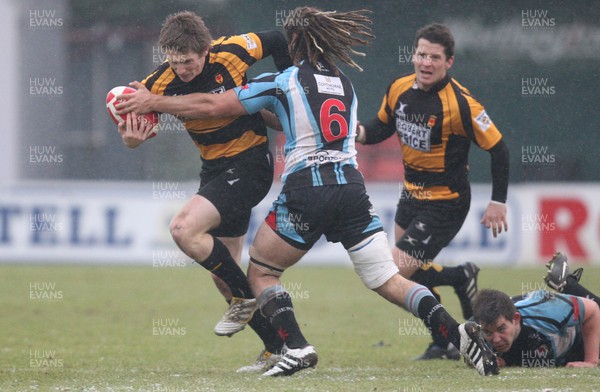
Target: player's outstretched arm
[[374, 131], [494, 216], [196, 105], [591, 335], [134, 132], [271, 120]]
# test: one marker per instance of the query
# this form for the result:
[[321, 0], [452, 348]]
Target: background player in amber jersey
[[436, 120], [323, 191], [237, 167]]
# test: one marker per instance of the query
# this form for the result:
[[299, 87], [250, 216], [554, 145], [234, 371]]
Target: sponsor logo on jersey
[[415, 135], [483, 120], [323, 157], [329, 85], [250, 43], [218, 90]]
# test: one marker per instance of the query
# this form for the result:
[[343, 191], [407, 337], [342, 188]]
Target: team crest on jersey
[[431, 121], [542, 351], [219, 78]]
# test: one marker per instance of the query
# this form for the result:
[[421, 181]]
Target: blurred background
[[72, 193]]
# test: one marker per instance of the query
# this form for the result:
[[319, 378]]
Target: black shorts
[[343, 213], [430, 225], [234, 186]]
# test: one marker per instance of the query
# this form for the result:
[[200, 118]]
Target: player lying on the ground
[[323, 191], [540, 329]]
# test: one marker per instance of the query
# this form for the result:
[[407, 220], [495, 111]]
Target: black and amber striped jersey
[[225, 68], [435, 129]]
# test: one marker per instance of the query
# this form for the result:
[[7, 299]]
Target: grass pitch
[[65, 328]]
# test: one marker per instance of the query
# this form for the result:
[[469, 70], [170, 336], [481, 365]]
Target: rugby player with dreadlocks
[[323, 191]]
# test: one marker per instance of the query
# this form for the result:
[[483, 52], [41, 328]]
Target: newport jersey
[[317, 111], [225, 67], [550, 330], [435, 129]]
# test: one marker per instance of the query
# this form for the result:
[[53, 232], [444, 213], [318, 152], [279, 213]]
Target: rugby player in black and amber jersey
[[323, 192], [237, 167], [436, 120]]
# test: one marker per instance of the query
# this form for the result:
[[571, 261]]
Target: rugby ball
[[111, 101]]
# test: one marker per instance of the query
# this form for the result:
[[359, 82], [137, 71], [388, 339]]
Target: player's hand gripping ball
[[111, 101]]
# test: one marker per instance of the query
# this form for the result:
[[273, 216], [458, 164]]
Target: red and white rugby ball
[[111, 101]]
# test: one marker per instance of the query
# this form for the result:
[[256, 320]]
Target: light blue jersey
[[550, 330], [317, 111]]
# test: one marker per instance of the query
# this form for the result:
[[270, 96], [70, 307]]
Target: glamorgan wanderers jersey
[[435, 129], [317, 110], [550, 331], [225, 68]]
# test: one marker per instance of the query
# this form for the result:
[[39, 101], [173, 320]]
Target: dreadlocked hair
[[314, 34]]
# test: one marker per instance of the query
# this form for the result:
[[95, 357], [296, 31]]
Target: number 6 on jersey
[[326, 118]]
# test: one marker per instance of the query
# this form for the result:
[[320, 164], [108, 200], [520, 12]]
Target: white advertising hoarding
[[127, 223]]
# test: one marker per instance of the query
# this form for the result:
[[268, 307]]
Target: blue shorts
[[343, 213]]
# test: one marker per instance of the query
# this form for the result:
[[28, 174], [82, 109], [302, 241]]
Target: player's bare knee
[[373, 261], [183, 234], [177, 230]]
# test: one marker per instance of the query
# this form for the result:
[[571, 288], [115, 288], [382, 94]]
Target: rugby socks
[[220, 263], [432, 275], [272, 341], [276, 305], [423, 304], [574, 288], [437, 339]]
